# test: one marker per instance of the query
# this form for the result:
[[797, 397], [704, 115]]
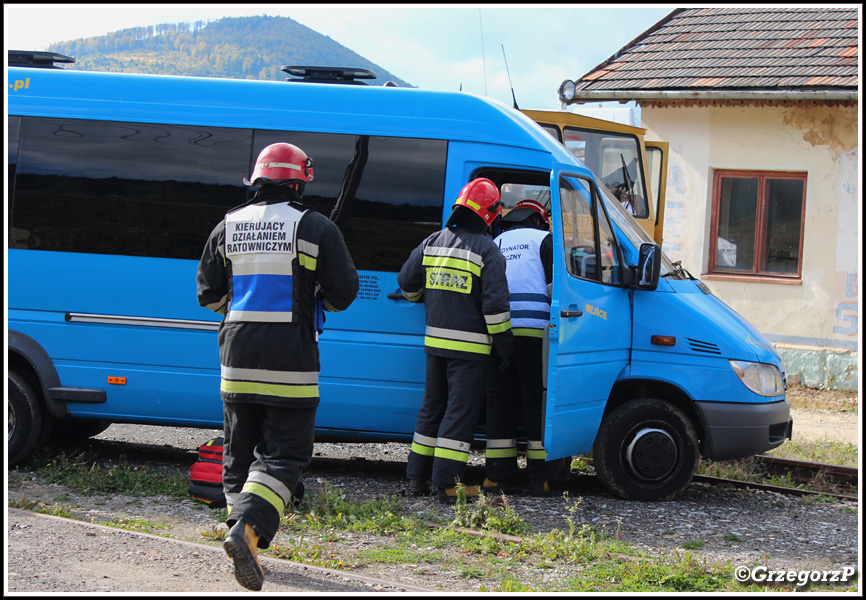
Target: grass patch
[[311, 554], [821, 451], [834, 400], [321, 535], [136, 525], [487, 514], [329, 509], [84, 473], [679, 572], [401, 555]]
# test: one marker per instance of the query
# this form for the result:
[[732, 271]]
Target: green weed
[[508, 585], [55, 510], [329, 509], [400, 555], [821, 451], [136, 525], [82, 472], [694, 544], [487, 514], [23, 503], [215, 533], [312, 554]]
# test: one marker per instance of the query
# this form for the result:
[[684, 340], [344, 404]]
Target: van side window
[[385, 193], [585, 241], [14, 124], [133, 189]]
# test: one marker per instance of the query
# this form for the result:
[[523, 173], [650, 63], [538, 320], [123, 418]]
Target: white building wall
[[815, 323]]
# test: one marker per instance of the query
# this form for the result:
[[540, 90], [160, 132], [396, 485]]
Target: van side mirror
[[648, 267]]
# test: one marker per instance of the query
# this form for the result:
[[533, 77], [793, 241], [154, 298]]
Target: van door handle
[[395, 296], [571, 313]]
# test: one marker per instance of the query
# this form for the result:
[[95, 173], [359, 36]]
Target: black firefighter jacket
[[460, 276], [271, 267]]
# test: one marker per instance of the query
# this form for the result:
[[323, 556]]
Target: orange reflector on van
[[117, 380], [663, 340]]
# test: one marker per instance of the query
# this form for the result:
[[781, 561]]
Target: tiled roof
[[767, 49]]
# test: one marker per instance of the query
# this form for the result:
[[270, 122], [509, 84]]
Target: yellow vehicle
[[633, 169]]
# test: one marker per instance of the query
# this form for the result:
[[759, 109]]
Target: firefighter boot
[[451, 495], [241, 545], [494, 488], [419, 488], [539, 489]]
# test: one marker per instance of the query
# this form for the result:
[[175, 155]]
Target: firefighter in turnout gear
[[517, 389], [271, 267], [459, 274]]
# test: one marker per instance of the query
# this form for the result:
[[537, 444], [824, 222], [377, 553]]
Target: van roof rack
[[42, 60], [344, 75]]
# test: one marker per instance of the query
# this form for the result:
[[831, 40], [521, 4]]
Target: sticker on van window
[[452, 280]]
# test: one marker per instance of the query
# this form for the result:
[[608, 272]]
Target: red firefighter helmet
[[282, 162], [523, 209], [481, 196]]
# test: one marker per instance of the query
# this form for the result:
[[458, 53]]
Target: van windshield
[[634, 232]]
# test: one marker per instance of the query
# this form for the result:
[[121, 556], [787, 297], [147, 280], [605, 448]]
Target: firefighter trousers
[[514, 406], [266, 449], [453, 399]]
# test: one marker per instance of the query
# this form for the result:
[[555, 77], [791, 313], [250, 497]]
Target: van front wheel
[[646, 449], [25, 419]]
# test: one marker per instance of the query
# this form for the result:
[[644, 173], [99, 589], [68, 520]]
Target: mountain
[[233, 47]]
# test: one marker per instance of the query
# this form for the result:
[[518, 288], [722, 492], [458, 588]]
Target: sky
[[482, 48]]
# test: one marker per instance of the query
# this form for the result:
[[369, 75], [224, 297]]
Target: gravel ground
[[781, 532]]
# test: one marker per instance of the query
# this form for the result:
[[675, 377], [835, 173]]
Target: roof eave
[[584, 96]]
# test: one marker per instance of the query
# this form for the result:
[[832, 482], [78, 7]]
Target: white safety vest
[[261, 243], [527, 286]]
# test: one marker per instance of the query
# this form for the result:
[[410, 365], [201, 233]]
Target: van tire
[[25, 419], [646, 449]]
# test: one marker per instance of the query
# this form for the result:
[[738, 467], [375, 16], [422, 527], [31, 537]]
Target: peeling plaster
[[836, 128]]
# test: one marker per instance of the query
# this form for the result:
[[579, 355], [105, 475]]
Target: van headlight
[[763, 379]]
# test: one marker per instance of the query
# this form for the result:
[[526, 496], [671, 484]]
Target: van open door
[[590, 318], [657, 168], [617, 155]]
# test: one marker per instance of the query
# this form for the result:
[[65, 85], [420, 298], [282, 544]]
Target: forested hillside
[[234, 47]]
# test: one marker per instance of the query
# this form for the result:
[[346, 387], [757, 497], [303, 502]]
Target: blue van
[[116, 180]]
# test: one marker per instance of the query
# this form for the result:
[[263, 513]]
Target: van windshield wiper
[[679, 271]]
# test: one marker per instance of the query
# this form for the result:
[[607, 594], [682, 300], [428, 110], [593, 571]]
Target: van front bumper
[[737, 430]]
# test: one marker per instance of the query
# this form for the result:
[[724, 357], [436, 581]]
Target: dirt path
[[817, 425]]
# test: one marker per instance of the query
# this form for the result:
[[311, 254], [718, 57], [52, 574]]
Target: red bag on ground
[[206, 474]]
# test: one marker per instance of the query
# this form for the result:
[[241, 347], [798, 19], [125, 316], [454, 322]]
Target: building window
[[757, 226]]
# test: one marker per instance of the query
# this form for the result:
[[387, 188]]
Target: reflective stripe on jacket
[[268, 267], [460, 276]]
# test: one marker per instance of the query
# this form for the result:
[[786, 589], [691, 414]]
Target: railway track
[[798, 472], [845, 479]]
